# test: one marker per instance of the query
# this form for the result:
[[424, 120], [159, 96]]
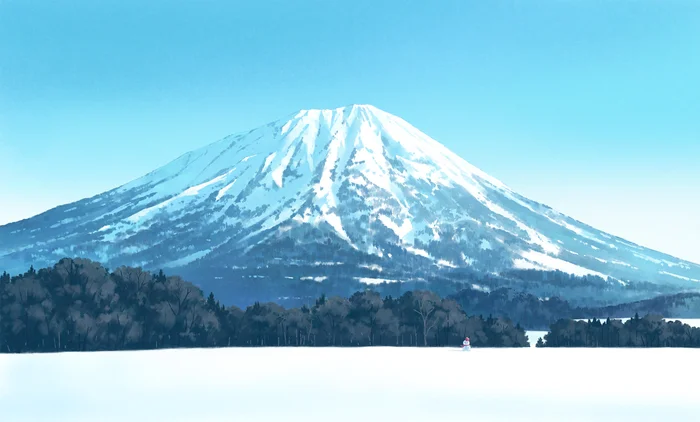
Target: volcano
[[353, 193]]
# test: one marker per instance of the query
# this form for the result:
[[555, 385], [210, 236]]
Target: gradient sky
[[589, 106]]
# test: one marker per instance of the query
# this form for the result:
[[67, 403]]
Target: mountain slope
[[354, 185]]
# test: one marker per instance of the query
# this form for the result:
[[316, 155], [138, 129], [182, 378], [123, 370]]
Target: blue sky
[[590, 106]]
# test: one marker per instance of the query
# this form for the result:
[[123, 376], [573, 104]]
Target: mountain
[[353, 194]]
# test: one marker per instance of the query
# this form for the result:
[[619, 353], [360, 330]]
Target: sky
[[589, 106]]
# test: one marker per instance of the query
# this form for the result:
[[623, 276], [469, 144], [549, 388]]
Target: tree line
[[526, 309], [649, 331], [536, 313], [79, 305]]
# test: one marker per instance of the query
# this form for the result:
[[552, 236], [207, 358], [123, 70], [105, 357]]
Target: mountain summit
[[354, 186]]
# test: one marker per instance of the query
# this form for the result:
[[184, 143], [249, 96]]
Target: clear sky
[[589, 106]]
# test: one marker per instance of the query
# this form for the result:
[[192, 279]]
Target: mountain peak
[[347, 108], [348, 113]]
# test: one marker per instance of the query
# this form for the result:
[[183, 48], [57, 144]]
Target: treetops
[[81, 305]]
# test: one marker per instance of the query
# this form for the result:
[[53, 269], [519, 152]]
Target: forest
[[79, 305], [535, 313], [649, 331]]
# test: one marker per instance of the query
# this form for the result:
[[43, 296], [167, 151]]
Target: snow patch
[[436, 232], [624, 264], [678, 276], [334, 221], [648, 258], [419, 252], [268, 161], [63, 222], [370, 280], [194, 190], [542, 261], [225, 189], [187, 259], [373, 267], [402, 231], [468, 260], [676, 264], [445, 263], [316, 279]]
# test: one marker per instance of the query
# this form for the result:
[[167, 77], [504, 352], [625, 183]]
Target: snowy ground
[[368, 384], [532, 336]]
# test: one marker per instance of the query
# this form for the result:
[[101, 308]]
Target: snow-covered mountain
[[353, 185]]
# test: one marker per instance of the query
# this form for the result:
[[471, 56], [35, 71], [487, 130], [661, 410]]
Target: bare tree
[[425, 304], [276, 317], [22, 294], [389, 323], [366, 305], [331, 315], [453, 316], [180, 296], [135, 282], [300, 322]]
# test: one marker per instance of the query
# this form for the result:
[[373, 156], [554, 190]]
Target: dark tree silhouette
[[78, 305], [650, 331]]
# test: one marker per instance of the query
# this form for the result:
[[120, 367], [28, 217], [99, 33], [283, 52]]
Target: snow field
[[350, 384]]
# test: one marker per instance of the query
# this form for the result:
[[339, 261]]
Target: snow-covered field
[[367, 384]]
